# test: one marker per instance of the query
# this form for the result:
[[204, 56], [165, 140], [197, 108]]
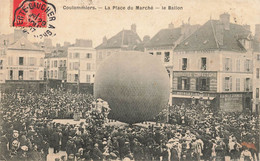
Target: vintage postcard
[[139, 80]]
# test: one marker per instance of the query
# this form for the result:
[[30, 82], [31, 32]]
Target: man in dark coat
[[45, 149], [174, 153], [70, 148], [3, 147], [97, 154], [56, 142]]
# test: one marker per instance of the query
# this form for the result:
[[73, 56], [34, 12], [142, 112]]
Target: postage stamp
[[34, 16]]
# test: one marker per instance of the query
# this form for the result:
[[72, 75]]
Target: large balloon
[[135, 85]]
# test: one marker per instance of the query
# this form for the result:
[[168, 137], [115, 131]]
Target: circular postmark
[[35, 17]]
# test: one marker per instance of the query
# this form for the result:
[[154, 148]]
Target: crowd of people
[[194, 132]]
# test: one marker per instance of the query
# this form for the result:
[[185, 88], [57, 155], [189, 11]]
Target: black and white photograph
[[129, 80]]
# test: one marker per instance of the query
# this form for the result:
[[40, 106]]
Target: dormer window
[[245, 43], [166, 57]]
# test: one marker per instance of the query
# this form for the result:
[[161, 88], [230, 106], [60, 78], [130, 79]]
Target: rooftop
[[171, 36], [214, 35], [24, 44], [125, 39], [57, 54]]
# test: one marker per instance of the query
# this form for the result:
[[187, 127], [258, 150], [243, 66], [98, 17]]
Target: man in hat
[[45, 149], [56, 141], [246, 155], [4, 147], [97, 154], [71, 147], [164, 153], [137, 150], [220, 150], [174, 153]]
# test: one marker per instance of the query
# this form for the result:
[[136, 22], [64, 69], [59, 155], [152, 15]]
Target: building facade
[[24, 61], [21, 66], [56, 66], [2, 64], [213, 66], [256, 71], [164, 42], [81, 65]]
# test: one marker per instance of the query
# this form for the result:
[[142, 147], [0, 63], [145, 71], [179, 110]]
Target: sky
[[94, 25]]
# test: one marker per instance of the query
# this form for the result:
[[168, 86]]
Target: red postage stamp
[[30, 13]]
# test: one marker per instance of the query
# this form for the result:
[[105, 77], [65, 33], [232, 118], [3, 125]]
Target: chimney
[[133, 27], [225, 20], [171, 26], [58, 45], [104, 40], [185, 30], [146, 39], [247, 27]]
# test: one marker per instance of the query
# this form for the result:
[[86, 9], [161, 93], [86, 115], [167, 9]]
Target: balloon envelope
[[135, 85]]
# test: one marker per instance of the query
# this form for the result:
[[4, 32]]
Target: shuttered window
[[247, 65], [88, 66], [179, 83], [88, 78], [31, 61], [247, 84], [230, 84], [226, 84], [257, 73], [227, 64], [238, 84], [202, 84], [183, 83], [238, 65], [21, 60]]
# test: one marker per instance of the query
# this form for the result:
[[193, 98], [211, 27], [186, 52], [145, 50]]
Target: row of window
[[101, 55], [75, 78], [54, 74], [257, 73], [55, 63], [75, 66], [32, 61], [203, 84], [77, 55], [20, 76], [166, 55], [226, 67]]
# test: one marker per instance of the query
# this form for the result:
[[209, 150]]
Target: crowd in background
[[28, 131]]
